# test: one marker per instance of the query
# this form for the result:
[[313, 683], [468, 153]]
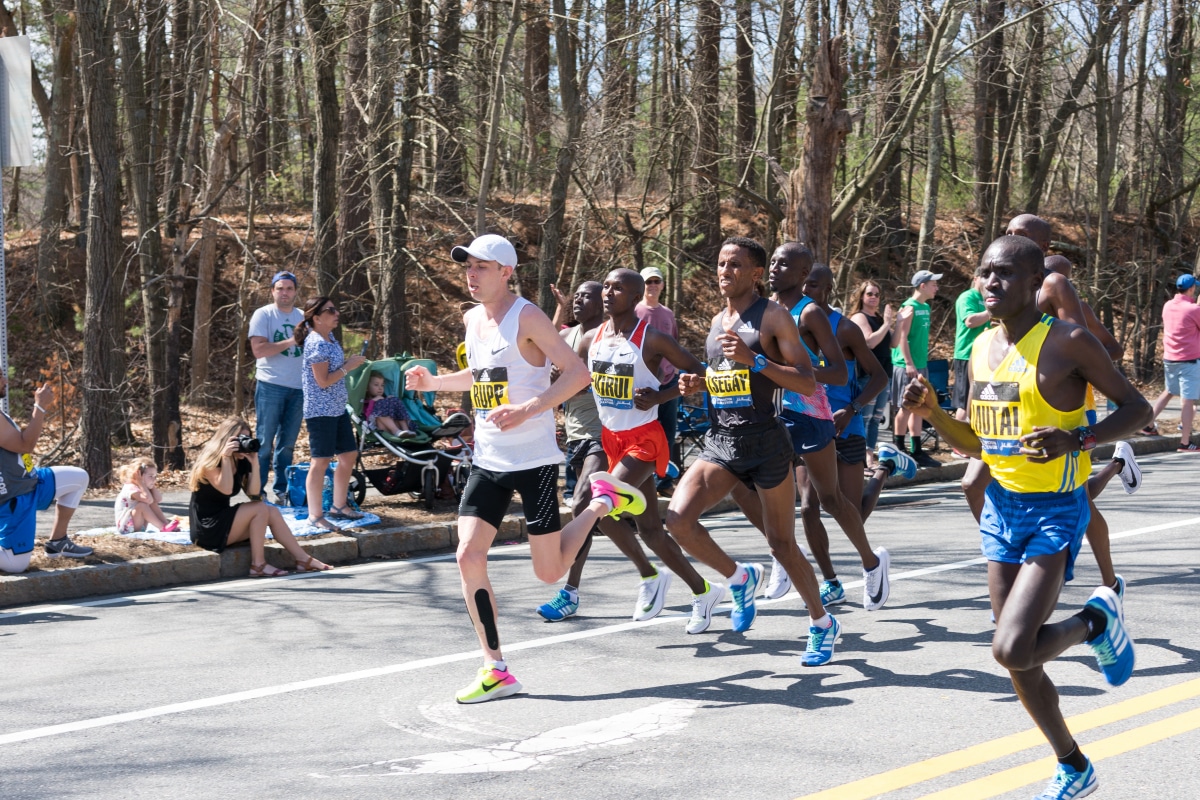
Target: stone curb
[[383, 542]]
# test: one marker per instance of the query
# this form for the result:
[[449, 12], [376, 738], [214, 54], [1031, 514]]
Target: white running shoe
[[702, 607], [652, 596], [779, 583], [875, 582], [1131, 473]]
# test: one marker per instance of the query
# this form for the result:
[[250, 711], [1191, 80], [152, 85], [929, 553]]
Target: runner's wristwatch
[[760, 363], [1087, 438]]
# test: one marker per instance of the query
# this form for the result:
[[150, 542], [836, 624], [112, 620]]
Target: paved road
[[340, 685]]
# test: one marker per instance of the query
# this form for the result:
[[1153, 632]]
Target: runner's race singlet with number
[[738, 397], [503, 377], [581, 419], [1006, 404], [815, 405], [618, 369]]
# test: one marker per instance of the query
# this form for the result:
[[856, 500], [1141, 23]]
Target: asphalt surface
[[341, 684]]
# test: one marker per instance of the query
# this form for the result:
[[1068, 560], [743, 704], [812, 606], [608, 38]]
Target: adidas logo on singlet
[[612, 370], [746, 327], [988, 393], [483, 377]]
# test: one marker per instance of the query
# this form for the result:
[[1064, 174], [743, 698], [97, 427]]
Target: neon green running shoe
[[625, 499], [489, 684]]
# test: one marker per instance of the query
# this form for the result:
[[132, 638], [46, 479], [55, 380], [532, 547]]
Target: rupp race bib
[[996, 416], [613, 384], [490, 389], [728, 384]]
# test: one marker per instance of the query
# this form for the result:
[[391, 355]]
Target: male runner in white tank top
[[511, 345]]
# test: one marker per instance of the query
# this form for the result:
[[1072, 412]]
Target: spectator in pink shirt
[[1181, 357]]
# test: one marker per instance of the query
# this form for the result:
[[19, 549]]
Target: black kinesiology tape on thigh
[[483, 607]]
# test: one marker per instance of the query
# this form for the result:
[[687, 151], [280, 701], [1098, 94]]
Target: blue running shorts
[[1016, 526]]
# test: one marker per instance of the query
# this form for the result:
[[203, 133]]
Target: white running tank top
[[617, 369], [502, 376]]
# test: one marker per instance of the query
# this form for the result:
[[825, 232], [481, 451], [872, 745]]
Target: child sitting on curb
[[137, 506]]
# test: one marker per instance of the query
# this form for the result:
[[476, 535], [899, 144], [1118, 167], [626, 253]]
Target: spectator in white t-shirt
[[279, 393]]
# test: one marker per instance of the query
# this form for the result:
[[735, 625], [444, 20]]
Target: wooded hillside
[[354, 141]]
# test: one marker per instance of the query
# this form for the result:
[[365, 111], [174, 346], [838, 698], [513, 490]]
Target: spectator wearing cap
[[910, 357], [279, 389], [659, 316], [1181, 357]]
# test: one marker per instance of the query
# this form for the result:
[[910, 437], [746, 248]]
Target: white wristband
[[39, 408]]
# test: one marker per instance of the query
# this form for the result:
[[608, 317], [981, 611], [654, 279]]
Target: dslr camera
[[247, 444]]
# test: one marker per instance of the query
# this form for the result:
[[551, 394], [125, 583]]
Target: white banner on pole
[[16, 149]]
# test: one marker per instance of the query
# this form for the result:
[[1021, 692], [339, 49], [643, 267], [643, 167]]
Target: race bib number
[[613, 384], [728, 384], [490, 389], [996, 417], [27, 460]]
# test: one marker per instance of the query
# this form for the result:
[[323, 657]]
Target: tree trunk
[[568, 88], [323, 44], [140, 80], [706, 80], [746, 116], [381, 102], [889, 184], [989, 16], [398, 335], [827, 122], [448, 179], [354, 209], [537, 84], [1032, 132], [103, 339], [933, 171], [52, 304], [493, 137]]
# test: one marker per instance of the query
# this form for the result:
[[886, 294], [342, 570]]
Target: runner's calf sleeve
[[483, 607]]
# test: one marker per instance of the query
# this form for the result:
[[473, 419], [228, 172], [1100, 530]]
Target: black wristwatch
[[855, 408], [1087, 438]]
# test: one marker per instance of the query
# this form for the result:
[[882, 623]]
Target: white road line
[[536, 751], [410, 666]]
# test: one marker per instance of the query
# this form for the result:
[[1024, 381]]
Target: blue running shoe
[[558, 609], [820, 643], [901, 462], [1113, 648], [1069, 784], [832, 593], [743, 598]]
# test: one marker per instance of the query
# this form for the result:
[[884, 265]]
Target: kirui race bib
[[490, 389], [728, 384], [613, 384], [996, 416]]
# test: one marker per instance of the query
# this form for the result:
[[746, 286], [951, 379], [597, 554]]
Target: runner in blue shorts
[[1027, 422]]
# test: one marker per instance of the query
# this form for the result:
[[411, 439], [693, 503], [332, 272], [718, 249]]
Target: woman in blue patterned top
[[329, 431]]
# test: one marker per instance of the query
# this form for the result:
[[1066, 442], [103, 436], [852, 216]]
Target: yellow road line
[[1041, 770], [998, 748]]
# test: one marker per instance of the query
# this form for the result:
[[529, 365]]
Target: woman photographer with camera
[[329, 430], [228, 464]]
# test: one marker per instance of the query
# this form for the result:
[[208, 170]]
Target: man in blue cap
[[278, 394], [1181, 357]]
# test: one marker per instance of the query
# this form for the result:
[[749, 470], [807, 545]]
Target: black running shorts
[[488, 494], [759, 455], [851, 449]]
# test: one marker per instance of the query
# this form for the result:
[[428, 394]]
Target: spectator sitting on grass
[[26, 489], [137, 506], [222, 470]]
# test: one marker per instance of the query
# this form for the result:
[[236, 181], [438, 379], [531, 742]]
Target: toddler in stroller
[[385, 413]]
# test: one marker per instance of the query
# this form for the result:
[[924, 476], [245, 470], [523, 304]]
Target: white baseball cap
[[653, 272], [489, 247]]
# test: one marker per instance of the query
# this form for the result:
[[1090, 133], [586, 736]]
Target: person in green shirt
[[910, 357], [971, 318]]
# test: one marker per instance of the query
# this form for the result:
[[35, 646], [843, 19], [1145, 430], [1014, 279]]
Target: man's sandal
[[345, 512], [265, 570], [307, 565]]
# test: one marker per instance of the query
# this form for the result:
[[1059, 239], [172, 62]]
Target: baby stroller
[[422, 467]]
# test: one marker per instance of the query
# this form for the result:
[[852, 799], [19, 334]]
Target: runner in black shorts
[[754, 352]]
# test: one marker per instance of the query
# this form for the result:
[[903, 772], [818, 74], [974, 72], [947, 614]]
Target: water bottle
[[327, 494]]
